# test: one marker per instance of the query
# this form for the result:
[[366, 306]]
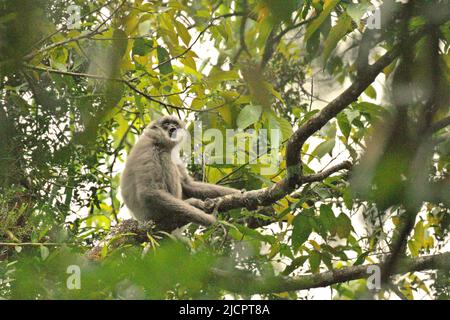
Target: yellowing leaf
[[285, 127], [370, 92], [316, 23], [183, 33], [220, 76], [315, 245], [412, 245], [225, 113], [248, 116], [419, 232], [341, 28]]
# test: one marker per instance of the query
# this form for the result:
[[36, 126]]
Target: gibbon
[[155, 185]]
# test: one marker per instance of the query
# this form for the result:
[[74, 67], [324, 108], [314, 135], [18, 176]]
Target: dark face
[[170, 125]]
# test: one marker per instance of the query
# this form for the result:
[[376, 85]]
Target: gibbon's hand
[[196, 203]]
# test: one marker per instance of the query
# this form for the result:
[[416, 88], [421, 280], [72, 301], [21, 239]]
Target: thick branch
[[244, 282], [267, 196], [239, 281], [350, 95], [441, 124]]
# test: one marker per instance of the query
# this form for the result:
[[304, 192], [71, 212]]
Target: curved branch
[[441, 124], [124, 81], [293, 180], [326, 173], [362, 81], [239, 281]]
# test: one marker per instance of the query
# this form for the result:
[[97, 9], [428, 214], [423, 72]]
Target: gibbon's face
[[172, 127]]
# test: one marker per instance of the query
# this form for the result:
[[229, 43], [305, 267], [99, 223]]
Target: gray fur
[[156, 188]]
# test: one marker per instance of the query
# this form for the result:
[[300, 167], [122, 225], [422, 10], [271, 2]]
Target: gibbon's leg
[[202, 190], [169, 209]]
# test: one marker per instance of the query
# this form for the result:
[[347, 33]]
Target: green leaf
[[275, 93], [327, 260], [327, 218], [302, 229], [248, 116], [314, 261], [44, 252], [361, 258], [413, 247], [348, 200], [344, 124], [343, 226], [356, 11], [370, 92], [323, 148], [419, 233], [120, 42], [285, 127], [296, 263], [164, 63], [316, 23], [142, 46], [341, 28], [254, 234], [282, 10]]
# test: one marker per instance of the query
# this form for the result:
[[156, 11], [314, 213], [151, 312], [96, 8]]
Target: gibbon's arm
[[202, 190], [168, 205]]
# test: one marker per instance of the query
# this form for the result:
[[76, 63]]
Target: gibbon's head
[[168, 130]]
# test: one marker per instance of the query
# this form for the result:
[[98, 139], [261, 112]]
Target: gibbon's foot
[[212, 205], [250, 205], [209, 204]]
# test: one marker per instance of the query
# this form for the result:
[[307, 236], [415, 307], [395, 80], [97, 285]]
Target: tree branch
[[239, 281], [293, 180], [326, 173], [350, 95], [441, 124], [210, 24], [273, 40], [101, 77], [80, 37], [64, 27]]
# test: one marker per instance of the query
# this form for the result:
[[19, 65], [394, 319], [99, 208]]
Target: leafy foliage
[[74, 100]]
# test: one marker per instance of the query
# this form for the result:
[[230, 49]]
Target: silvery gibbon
[[155, 185]]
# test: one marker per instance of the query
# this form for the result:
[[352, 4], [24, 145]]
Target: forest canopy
[[351, 191]]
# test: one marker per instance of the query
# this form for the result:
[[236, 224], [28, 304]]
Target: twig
[[80, 37]]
